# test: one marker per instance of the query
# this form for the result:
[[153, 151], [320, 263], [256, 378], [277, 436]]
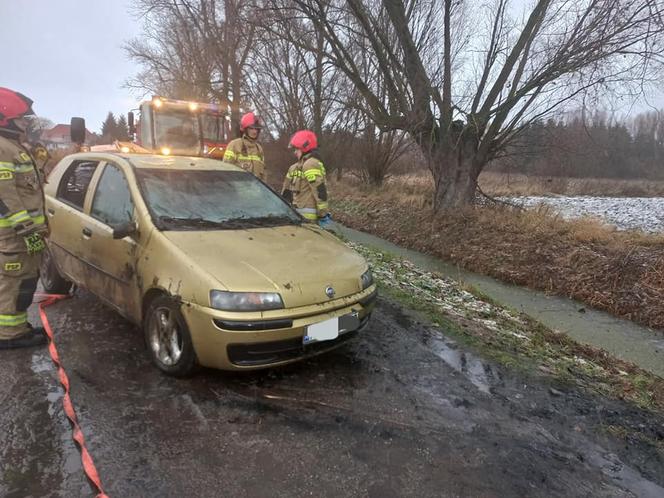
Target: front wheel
[[50, 276], [167, 338]]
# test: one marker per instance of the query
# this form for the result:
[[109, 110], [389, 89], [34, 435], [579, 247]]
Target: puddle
[[41, 363], [475, 370], [622, 338], [627, 477]]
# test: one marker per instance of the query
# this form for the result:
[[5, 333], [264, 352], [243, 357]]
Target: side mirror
[[124, 230], [77, 130], [130, 123]]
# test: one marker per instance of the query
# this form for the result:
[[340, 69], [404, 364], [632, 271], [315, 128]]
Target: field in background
[[502, 184], [417, 188]]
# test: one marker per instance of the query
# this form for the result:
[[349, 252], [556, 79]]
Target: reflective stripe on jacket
[[304, 187], [248, 154], [21, 198]]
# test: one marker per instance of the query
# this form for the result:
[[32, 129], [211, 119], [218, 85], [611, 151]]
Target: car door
[[66, 217], [112, 262]]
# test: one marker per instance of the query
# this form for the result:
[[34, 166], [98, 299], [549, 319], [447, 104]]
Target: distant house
[[58, 137]]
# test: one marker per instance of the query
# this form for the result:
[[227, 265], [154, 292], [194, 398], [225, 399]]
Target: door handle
[[51, 211], [87, 232]]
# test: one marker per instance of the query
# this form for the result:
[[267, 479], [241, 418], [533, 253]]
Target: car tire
[[167, 338], [50, 276]]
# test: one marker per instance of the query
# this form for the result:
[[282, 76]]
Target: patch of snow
[[626, 213]]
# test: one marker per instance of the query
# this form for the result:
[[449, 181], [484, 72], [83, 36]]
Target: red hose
[[86, 459]]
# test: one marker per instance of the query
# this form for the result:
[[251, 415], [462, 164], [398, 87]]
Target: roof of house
[[60, 131]]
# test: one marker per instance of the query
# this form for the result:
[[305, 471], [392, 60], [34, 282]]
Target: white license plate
[[323, 331]]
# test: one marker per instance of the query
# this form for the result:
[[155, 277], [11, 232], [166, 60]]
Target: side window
[[112, 202], [75, 181]]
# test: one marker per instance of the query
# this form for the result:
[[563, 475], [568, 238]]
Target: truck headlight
[[367, 279], [245, 301]]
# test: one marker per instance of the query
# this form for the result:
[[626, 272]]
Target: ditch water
[[622, 338]]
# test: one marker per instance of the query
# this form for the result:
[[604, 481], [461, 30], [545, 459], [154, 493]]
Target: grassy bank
[[619, 272], [510, 338]]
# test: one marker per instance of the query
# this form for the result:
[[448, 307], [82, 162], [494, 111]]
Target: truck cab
[[181, 128]]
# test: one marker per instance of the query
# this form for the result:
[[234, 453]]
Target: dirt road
[[399, 411]]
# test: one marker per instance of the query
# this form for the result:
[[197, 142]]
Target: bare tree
[[293, 87], [194, 49], [465, 94], [36, 126], [303, 88], [379, 152]]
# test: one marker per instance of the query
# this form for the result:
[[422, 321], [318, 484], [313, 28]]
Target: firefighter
[[41, 157], [245, 151], [22, 225], [304, 187]]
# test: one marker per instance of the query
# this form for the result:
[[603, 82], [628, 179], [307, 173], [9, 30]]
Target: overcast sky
[[67, 56]]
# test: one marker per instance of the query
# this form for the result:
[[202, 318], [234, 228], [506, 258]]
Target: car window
[[112, 203], [75, 182]]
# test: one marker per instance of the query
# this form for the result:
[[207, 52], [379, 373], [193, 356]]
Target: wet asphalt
[[399, 411]]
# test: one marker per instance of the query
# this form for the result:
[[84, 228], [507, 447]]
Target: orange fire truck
[[169, 127], [181, 128]]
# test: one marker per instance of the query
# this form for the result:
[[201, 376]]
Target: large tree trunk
[[456, 164], [455, 184]]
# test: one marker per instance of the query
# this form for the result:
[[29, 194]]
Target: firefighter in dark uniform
[[22, 225]]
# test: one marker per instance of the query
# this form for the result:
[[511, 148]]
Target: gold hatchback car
[[214, 266]]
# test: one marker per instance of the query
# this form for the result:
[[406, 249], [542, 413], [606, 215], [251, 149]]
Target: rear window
[[75, 182]]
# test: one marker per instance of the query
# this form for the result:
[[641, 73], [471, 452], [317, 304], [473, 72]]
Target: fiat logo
[[329, 291]]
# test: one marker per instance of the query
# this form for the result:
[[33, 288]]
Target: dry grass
[[501, 184], [618, 271], [413, 191], [416, 189]]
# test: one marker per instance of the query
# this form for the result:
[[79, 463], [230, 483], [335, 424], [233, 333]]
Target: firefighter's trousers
[[19, 273]]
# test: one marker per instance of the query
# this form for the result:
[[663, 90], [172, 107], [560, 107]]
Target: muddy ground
[[400, 411]]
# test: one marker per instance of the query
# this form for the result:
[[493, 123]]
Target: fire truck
[[181, 128], [168, 127]]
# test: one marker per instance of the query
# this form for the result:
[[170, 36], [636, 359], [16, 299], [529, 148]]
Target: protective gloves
[[325, 221]]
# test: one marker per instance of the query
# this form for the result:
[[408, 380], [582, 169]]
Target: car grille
[[256, 325], [266, 353]]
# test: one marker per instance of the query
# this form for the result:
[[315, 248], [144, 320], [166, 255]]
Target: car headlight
[[367, 279], [245, 301]]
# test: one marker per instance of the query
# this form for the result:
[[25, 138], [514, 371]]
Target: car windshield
[[211, 200], [177, 131]]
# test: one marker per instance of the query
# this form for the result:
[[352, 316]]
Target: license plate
[[322, 331]]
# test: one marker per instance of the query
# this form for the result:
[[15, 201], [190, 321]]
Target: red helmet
[[13, 105], [304, 140], [250, 120]]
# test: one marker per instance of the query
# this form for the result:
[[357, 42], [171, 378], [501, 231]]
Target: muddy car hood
[[299, 262]]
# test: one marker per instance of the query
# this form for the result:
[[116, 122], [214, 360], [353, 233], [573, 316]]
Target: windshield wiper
[[191, 222], [273, 220], [230, 224]]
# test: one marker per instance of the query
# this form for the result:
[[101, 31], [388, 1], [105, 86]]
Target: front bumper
[[225, 341]]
